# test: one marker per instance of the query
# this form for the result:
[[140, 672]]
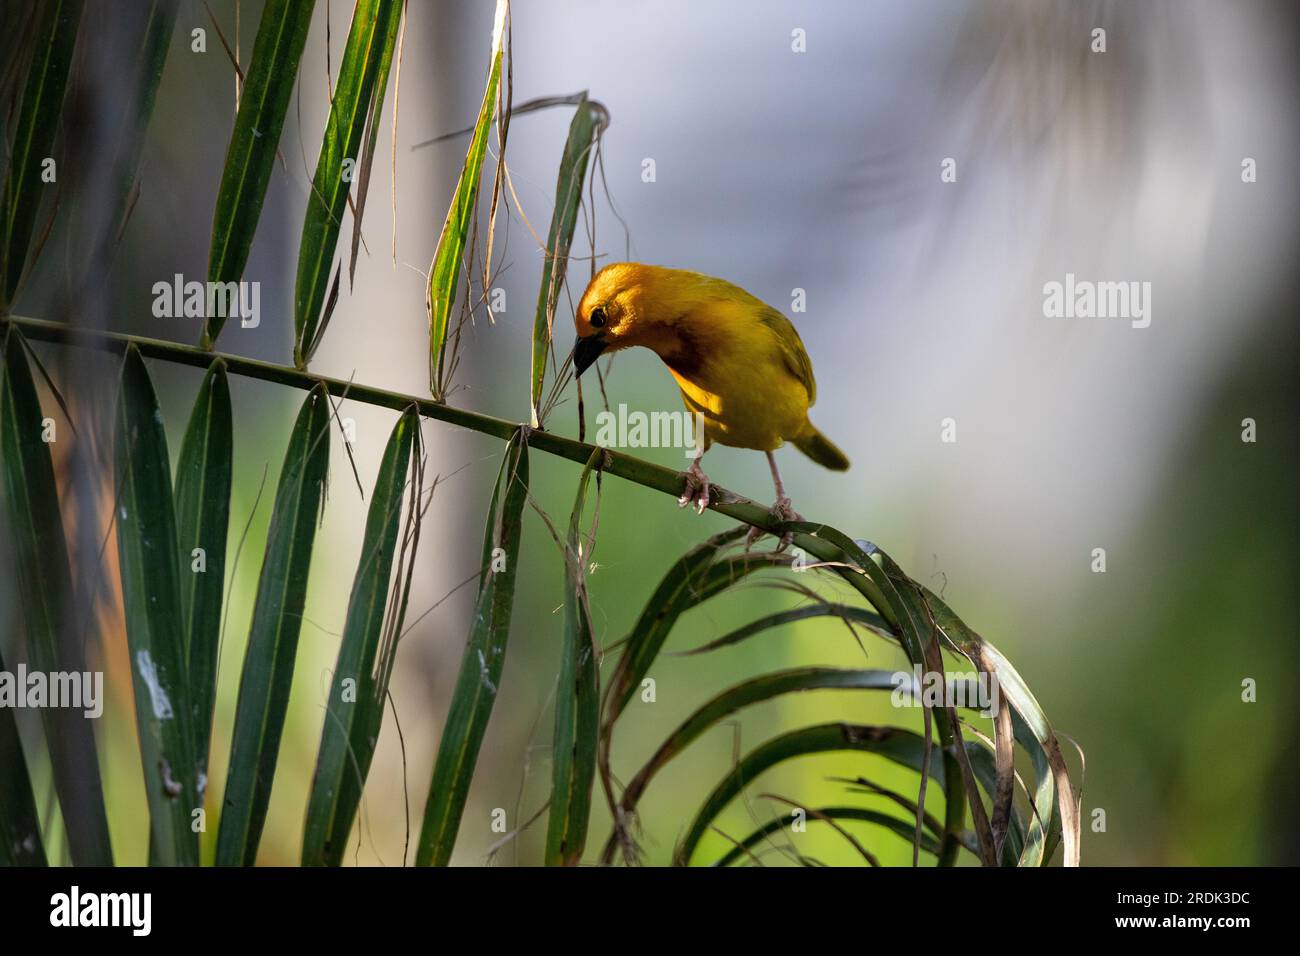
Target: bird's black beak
[[586, 352]]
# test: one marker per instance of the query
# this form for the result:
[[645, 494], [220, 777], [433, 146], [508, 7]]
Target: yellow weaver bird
[[739, 362]]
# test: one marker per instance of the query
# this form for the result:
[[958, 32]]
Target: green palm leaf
[[34, 135], [700, 574], [149, 559], [44, 585], [444, 271], [480, 668], [273, 640], [900, 828], [900, 746], [268, 87], [753, 691], [203, 475], [577, 701], [355, 709], [20, 827], [588, 118], [369, 47]]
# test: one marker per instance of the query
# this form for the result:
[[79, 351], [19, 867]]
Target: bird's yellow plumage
[[738, 361]]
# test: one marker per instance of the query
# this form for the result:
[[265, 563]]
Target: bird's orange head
[[626, 304]]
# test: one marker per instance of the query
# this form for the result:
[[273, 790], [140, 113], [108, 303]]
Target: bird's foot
[[697, 489], [783, 510]]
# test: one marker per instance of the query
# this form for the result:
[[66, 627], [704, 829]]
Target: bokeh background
[[817, 171]]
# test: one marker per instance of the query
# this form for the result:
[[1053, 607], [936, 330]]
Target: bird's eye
[[597, 318]]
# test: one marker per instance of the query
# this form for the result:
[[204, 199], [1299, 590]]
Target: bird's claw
[[783, 510], [696, 491]]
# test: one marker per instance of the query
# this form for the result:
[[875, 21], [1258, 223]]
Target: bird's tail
[[821, 449]]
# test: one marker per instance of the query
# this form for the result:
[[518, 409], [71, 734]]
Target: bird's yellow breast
[[736, 371]]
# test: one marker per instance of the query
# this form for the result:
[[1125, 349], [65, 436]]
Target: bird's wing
[[793, 354]]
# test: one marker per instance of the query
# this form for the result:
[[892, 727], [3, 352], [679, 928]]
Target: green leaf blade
[[374, 23], [577, 702], [203, 480], [900, 746], [273, 638], [444, 271], [268, 87], [746, 694], [480, 669], [44, 585], [985, 771], [390, 41], [154, 43], [568, 198], [352, 720], [20, 826], [848, 613], [697, 576], [34, 136], [148, 557], [900, 828], [1056, 815]]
